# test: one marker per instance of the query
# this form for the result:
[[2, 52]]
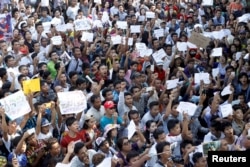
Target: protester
[[123, 83]]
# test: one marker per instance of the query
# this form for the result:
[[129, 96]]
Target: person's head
[[241, 97], [97, 158], [81, 152], [174, 106], [53, 146], [73, 76], [3, 73], [86, 68], [110, 108], [124, 144], [243, 78], [110, 131], [151, 126], [102, 144], [72, 124], [81, 84], [53, 56], [107, 94], [121, 73], [227, 129], [23, 69], [132, 157], [237, 112], [174, 127], [163, 150], [9, 61], [185, 146], [154, 108], [215, 128], [199, 160], [159, 135], [15, 142], [76, 52], [133, 65], [128, 99], [96, 101], [89, 122], [223, 145], [45, 126], [135, 116], [103, 70], [44, 87], [214, 104]]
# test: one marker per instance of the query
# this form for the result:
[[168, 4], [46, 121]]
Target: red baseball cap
[[109, 104]]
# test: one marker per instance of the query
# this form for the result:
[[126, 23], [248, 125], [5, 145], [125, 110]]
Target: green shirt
[[51, 69]]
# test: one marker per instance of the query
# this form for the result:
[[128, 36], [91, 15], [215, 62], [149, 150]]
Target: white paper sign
[[15, 105], [61, 27], [82, 24], [207, 2], [238, 55], [159, 55], [226, 110], [62, 165], [226, 91], [141, 18], [146, 52], [215, 72], [187, 107], [135, 28], [86, 36], [70, 26], [171, 84], [56, 40], [72, 102], [106, 162], [216, 52], [98, 1], [182, 46], [45, 3], [159, 33], [201, 76], [46, 26], [131, 129], [140, 46], [150, 15], [130, 41], [122, 25], [116, 39]]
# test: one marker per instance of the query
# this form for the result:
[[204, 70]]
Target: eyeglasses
[[126, 143]]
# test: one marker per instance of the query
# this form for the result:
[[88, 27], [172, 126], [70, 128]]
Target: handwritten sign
[[56, 40], [87, 36], [159, 55], [72, 102], [199, 40], [45, 3], [82, 24], [15, 105]]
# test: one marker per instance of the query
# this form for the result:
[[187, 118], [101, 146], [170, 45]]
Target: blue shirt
[[22, 159], [105, 121]]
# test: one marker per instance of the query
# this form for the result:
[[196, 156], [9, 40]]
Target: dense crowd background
[[125, 87]]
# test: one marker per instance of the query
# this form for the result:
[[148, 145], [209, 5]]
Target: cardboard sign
[[69, 106], [199, 40], [15, 105]]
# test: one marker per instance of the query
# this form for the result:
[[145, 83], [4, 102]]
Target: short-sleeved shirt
[[67, 139], [105, 121]]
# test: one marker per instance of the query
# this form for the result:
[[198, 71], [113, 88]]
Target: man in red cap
[[111, 116]]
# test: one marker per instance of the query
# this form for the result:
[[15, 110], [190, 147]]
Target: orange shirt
[[235, 6]]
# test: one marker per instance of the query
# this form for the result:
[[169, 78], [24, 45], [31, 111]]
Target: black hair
[[70, 121], [225, 125], [105, 91], [132, 154], [152, 104], [93, 98], [3, 72], [120, 142], [172, 123], [160, 147], [197, 156], [132, 112], [157, 133], [78, 147], [72, 73]]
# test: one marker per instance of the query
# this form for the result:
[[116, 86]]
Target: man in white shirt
[[114, 9]]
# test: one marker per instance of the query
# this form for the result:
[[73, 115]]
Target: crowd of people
[[127, 88]]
